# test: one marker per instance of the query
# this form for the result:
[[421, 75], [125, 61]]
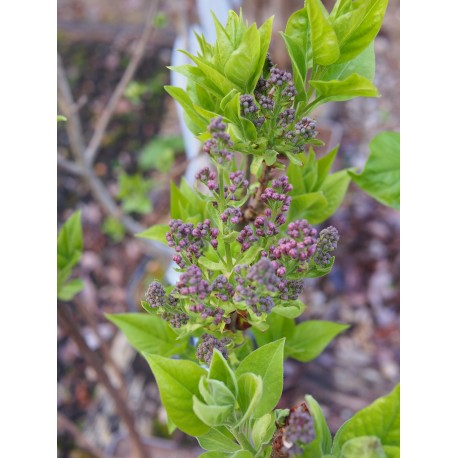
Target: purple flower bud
[[155, 295], [207, 344]]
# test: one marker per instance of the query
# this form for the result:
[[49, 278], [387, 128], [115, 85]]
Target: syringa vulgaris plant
[[244, 242]]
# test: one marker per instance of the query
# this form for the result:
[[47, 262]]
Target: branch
[[69, 166], [64, 423], [102, 123], [98, 189], [67, 321]]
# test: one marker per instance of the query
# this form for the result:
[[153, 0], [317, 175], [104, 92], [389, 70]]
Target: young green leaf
[[178, 382], [380, 419], [310, 338], [267, 362], [324, 165], [291, 309], [218, 439], [324, 40], [70, 289], [339, 90], [156, 232], [213, 415], [363, 447], [363, 64], [265, 32], [215, 392], [358, 26], [70, 242], [250, 388], [381, 175], [323, 435], [279, 327], [263, 430], [220, 370], [148, 333]]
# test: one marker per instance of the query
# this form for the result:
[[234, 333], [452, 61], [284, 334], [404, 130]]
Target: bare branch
[[66, 424], [69, 166], [102, 123]]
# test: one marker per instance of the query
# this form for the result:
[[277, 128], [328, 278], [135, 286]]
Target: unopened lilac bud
[[155, 295], [208, 344], [299, 431], [247, 104], [325, 244]]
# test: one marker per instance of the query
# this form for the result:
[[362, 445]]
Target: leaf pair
[[316, 193], [217, 404], [69, 250]]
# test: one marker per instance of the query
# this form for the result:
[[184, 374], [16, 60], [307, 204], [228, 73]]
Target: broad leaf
[[218, 439], [178, 382], [213, 415], [363, 64], [267, 362], [263, 430], [251, 391], [380, 419], [156, 232], [324, 40], [311, 338], [324, 165], [220, 370], [148, 333], [358, 27], [291, 309], [279, 327], [339, 90], [363, 447], [215, 392], [381, 175]]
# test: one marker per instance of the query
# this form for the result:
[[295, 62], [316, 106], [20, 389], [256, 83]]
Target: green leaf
[[215, 392], [156, 232], [340, 90], [213, 415], [250, 387], [70, 289], [363, 64], [178, 382], [159, 153], [334, 189], [311, 338], [316, 271], [323, 435], [218, 439], [220, 370], [210, 265], [265, 32], [291, 309], [363, 447], [380, 419], [250, 255], [279, 327], [70, 242], [255, 167], [61, 118], [357, 28], [324, 165], [324, 40], [148, 333], [308, 206], [267, 362], [263, 430], [223, 45], [381, 175], [194, 120]]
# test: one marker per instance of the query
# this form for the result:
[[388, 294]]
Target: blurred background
[[112, 69]]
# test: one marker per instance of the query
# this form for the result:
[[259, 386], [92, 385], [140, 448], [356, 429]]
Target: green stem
[[243, 441], [227, 246]]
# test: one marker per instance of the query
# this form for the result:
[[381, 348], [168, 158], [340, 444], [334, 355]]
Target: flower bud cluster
[[223, 289], [248, 105], [287, 117], [191, 283], [326, 243], [189, 241], [207, 344], [279, 77], [255, 285], [299, 431], [208, 178], [305, 129], [232, 214], [220, 145], [155, 295]]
